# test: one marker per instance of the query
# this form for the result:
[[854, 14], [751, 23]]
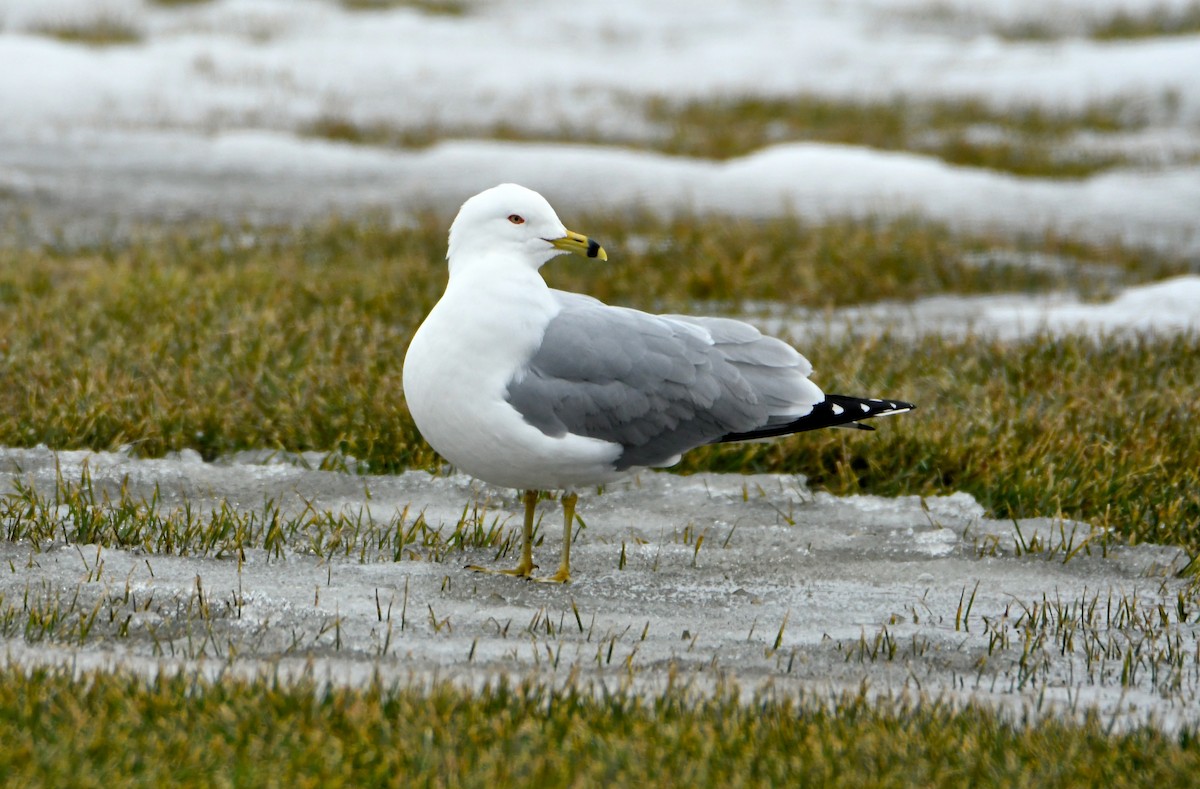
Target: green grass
[[81, 513], [204, 344], [1090, 430], [225, 339], [296, 342], [120, 730]]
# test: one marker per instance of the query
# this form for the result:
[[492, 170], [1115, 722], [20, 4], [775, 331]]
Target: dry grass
[[1120, 25], [439, 7], [1030, 141], [100, 31], [177, 3]]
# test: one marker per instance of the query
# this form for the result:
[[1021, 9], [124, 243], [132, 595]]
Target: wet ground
[[677, 580]]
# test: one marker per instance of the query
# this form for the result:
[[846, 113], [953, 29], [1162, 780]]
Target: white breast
[[456, 375]]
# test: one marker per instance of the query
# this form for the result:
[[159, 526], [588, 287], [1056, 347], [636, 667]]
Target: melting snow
[[199, 117], [905, 594], [1165, 307]]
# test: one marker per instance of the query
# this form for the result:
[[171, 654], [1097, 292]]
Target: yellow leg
[[564, 566], [525, 567]]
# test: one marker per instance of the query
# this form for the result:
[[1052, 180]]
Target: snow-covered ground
[[203, 116], [122, 177], [200, 116], [681, 579], [1166, 307], [274, 63]]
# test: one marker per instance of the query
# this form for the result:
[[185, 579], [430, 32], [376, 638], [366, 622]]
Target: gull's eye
[[516, 219]]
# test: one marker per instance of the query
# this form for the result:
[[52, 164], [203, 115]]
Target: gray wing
[[658, 385]]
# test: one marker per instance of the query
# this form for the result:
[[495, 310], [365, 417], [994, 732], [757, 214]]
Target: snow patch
[[1167, 307], [827, 576]]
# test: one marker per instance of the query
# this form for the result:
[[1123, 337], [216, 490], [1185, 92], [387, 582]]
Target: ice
[[681, 579]]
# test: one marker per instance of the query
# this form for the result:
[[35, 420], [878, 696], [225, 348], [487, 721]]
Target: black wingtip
[[833, 411]]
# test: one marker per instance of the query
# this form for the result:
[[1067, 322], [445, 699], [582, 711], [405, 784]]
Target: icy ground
[[682, 580]]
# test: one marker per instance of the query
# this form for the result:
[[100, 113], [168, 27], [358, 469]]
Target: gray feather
[[656, 385]]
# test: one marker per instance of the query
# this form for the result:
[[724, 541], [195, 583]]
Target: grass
[[285, 351], [438, 7], [100, 31], [1086, 429], [1115, 641], [178, 3], [294, 341], [81, 513], [225, 339], [105, 729], [340, 129], [1021, 140], [1161, 20], [1029, 141], [1119, 25]]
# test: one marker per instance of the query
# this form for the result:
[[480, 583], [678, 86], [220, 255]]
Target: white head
[[514, 222]]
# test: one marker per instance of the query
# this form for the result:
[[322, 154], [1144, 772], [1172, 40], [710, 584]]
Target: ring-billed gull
[[528, 387]]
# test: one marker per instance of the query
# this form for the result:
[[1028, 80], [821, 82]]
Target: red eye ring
[[516, 219]]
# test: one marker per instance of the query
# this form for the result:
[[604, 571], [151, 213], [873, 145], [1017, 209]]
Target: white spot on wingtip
[[866, 408], [837, 409]]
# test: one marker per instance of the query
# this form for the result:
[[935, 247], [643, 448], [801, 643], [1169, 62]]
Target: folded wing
[[659, 385]]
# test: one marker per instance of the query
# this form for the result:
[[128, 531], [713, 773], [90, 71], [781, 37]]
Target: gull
[[524, 386]]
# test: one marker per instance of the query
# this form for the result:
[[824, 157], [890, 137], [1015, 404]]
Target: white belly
[[456, 376]]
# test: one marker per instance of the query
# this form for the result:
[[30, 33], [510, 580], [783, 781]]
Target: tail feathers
[[833, 411]]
